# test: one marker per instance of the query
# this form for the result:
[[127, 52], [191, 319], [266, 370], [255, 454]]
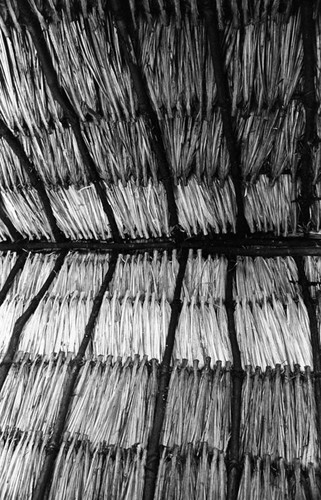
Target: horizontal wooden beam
[[229, 245]]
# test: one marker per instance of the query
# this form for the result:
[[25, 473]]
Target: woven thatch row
[[76, 50], [99, 89], [270, 76], [279, 416], [274, 333], [270, 55], [200, 476], [49, 10], [260, 480], [114, 474], [271, 319], [32, 393], [119, 474], [139, 211], [122, 150], [200, 138], [274, 422], [79, 473], [278, 408], [259, 279]]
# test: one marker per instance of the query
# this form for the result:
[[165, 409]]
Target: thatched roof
[[160, 268]]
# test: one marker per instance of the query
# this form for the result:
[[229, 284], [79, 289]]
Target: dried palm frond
[[285, 155], [271, 60], [291, 50], [257, 135], [33, 275], [202, 333], [163, 50], [272, 207], [23, 456], [206, 208], [127, 393], [29, 392], [271, 139], [130, 327], [24, 208], [205, 278], [181, 139], [83, 272], [197, 476], [122, 150], [273, 333], [145, 274], [198, 408], [79, 213], [75, 49], [139, 211], [7, 261], [288, 400], [212, 157], [57, 325]]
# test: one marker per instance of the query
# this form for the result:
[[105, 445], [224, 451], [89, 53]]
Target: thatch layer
[[271, 318], [185, 124], [275, 405], [119, 142], [196, 426]]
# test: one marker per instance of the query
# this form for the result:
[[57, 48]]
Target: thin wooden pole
[[34, 178], [129, 48], [69, 384], [224, 103], [19, 264], [315, 338], [310, 106], [153, 451], [22, 320], [234, 473]]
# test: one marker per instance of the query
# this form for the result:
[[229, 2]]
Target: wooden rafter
[[34, 178], [18, 266], [129, 47], [315, 337], [153, 448], [8, 223], [64, 405], [309, 101], [234, 476], [224, 103], [12, 348]]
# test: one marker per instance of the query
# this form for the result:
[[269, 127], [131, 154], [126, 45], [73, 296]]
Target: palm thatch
[[160, 252]]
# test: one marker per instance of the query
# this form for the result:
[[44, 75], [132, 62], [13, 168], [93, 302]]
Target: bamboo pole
[[153, 448], [34, 177], [129, 46], [234, 476], [11, 276], [315, 339], [20, 322], [224, 102], [310, 106], [74, 369], [59, 94]]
